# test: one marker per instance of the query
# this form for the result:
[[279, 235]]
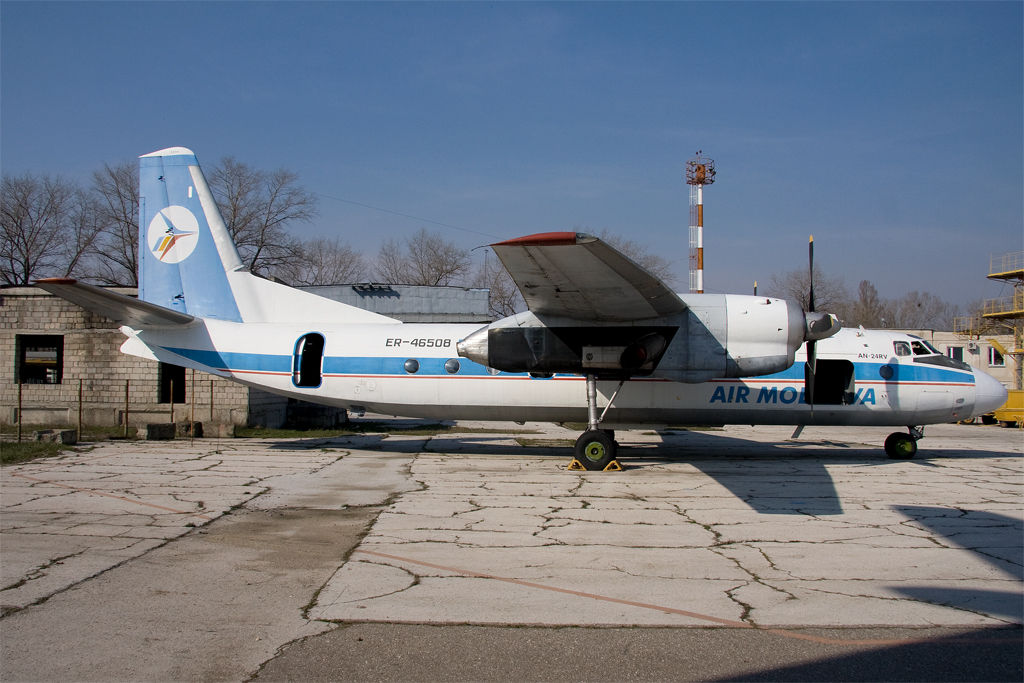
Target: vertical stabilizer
[[185, 251]]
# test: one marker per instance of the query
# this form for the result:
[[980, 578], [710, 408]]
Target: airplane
[[603, 341]]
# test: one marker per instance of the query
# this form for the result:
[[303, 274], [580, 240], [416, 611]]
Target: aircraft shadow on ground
[[988, 654], [779, 477], [992, 654], [996, 539]]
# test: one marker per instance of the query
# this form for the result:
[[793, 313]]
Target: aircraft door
[[834, 382], [307, 363]]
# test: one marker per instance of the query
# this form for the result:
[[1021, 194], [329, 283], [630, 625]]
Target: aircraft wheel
[[900, 446], [595, 449]]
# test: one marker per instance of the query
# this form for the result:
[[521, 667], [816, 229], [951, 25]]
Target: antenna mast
[[700, 171]]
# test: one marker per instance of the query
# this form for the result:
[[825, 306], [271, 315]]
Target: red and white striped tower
[[700, 171]]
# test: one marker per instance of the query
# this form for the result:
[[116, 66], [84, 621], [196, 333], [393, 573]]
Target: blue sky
[[891, 131]]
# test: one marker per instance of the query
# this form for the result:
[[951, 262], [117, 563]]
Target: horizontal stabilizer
[[118, 307]]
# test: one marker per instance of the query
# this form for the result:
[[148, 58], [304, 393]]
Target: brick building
[[52, 350]]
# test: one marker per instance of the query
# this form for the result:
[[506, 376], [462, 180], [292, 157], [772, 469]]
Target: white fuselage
[[366, 367]]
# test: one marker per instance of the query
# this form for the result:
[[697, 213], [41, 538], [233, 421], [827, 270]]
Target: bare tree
[[868, 310], [323, 261], [49, 227], [921, 310], [425, 259], [117, 192], [504, 298], [258, 207], [391, 263], [660, 267], [83, 236], [830, 294]]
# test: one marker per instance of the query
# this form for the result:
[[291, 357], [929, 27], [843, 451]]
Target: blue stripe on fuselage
[[336, 365], [395, 366], [872, 372], [240, 362]]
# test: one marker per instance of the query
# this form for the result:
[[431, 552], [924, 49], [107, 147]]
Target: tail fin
[[188, 262], [185, 251]]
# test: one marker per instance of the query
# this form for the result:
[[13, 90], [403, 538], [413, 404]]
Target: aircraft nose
[[989, 393]]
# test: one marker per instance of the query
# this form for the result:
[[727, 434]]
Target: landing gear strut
[[596, 447], [899, 446]]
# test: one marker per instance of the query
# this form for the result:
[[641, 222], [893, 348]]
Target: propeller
[[812, 359], [816, 326]]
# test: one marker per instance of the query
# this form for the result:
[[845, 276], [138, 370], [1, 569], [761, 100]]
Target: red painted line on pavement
[[785, 633], [111, 495]]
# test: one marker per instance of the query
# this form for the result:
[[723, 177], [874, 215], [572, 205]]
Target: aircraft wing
[[117, 307], [578, 276]]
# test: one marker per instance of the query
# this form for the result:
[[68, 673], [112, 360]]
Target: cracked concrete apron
[[122, 562], [738, 528]]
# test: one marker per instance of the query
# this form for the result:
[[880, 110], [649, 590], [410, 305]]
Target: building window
[[995, 359], [40, 358], [172, 383], [955, 352]]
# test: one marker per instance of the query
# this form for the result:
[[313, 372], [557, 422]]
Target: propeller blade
[[809, 368], [812, 360], [810, 279]]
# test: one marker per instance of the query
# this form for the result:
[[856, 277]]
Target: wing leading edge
[[117, 307], [578, 276]]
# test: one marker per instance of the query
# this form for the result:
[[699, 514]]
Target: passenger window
[[902, 348]]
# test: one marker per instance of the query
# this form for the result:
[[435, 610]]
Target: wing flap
[[581, 277], [117, 307]]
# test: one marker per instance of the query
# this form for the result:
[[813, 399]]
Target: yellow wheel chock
[[577, 466]]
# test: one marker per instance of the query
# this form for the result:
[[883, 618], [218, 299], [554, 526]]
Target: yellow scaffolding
[[1008, 311]]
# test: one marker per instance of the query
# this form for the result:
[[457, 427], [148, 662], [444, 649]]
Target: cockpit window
[[920, 349], [902, 348]]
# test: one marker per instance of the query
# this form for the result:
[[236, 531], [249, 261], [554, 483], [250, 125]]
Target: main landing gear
[[596, 447], [900, 446]]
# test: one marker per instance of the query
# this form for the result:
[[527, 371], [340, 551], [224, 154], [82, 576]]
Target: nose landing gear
[[899, 446]]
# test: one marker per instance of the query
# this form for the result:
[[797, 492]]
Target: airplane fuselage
[[413, 370]]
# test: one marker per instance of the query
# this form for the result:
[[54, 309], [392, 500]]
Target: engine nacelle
[[717, 336]]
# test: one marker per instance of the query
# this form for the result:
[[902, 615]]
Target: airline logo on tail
[[173, 234]]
